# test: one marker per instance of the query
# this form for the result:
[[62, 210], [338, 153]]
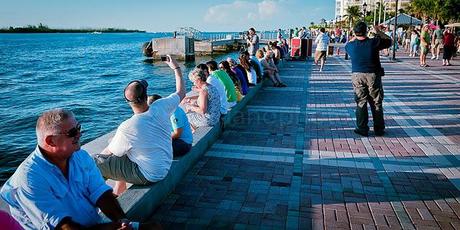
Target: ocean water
[[82, 72]]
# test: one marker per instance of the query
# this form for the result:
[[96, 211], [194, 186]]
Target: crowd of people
[[421, 42], [60, 186]]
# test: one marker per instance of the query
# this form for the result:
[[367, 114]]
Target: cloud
[[242, 12]]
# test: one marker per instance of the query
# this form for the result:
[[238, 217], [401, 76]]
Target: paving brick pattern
[[290, 159]]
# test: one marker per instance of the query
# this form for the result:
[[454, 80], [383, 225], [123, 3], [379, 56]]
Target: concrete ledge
[[139, 202]]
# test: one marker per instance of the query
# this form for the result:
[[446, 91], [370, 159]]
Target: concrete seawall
[[139, 202]]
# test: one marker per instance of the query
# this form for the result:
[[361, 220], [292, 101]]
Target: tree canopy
[[440, 10]]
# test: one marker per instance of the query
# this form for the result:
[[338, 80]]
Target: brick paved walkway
[[291, 160]]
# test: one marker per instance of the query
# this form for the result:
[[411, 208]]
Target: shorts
[[437, 42], [120, 168], [180, 147], [424, 49], [320, 55]]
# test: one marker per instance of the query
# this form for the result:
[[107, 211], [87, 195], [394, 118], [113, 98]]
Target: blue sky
[[166, 15]]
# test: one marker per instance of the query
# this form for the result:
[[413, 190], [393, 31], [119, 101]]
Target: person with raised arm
[[141, 151], [366, 77]]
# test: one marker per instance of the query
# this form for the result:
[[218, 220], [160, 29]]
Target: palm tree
[[353, 13], [422, 8]]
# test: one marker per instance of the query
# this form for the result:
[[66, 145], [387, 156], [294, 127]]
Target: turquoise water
[[83, 72]]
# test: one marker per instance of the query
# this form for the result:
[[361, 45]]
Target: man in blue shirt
[[59, 186], [367, 75], [181, 132]]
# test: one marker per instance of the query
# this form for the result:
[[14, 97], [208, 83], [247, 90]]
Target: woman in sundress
[[205, 110]]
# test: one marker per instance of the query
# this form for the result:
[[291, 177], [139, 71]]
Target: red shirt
[[448, 39]]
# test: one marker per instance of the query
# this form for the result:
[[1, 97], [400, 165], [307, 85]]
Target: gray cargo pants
[[368, 89]]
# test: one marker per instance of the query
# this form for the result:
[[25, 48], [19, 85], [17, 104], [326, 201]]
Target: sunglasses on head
[[73, 132]]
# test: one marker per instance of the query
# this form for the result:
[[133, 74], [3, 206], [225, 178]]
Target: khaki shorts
[[320, 55], [437, 42], [120, 168]]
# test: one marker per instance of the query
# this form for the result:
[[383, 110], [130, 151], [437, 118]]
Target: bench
[[140, 202]]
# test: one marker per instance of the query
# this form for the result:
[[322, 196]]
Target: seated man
[[59, 186], [270, 69], [226, 81], [141, 150], [181, 133]]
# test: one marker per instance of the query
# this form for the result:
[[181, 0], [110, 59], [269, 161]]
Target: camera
[[164, 58]]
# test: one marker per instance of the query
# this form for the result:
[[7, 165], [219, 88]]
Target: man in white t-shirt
[[322, 43], [141, 150]]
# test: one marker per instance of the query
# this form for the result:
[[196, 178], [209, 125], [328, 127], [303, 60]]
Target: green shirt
[[426, 38], [228, 84], [438, 33]]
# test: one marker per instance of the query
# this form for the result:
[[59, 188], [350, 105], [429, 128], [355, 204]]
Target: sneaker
[[432, 58], [379, 133], [437, 57], [362, 133], [282, 85]]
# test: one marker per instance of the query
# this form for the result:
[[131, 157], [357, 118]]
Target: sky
[[166, 15]]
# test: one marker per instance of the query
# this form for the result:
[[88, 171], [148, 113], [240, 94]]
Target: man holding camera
[[253, 42], [367, 75]]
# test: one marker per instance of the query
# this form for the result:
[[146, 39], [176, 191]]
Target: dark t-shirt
[[365, 54]]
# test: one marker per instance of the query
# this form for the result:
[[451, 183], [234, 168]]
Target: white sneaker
[[432, 58], [437, 57]]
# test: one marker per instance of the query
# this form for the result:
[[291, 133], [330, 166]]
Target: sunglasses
[[73, 132]]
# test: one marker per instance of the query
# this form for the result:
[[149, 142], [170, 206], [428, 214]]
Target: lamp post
[[395, 39], [375, 12], [364, 11], [380, 10]]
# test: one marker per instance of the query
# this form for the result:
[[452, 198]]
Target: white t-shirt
[[322, 41], [252, 76], [214, 81], [146, 138]]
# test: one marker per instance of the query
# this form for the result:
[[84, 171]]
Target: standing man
[[59, 186], [437, 42], [253, 42], [141, 150], [367, 75], [322, 42], [279, 35], [424, 45]]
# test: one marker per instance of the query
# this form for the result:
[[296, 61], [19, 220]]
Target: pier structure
[[188, 42]]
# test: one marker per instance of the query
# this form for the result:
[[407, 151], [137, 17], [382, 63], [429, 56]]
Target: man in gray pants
[[367, 75]]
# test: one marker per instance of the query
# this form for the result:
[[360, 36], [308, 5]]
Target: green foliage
[[40, 28], [441, 10], [353, 14]]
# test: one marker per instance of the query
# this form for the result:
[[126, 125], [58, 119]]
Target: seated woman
[[205, 111], [240, 73], [225, 66], [251, 73]]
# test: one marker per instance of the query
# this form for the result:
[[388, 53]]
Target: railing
[[217, 36]]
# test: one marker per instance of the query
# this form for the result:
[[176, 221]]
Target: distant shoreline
[[45, 29]]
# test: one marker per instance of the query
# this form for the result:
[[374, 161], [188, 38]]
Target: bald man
[[141, 150]]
